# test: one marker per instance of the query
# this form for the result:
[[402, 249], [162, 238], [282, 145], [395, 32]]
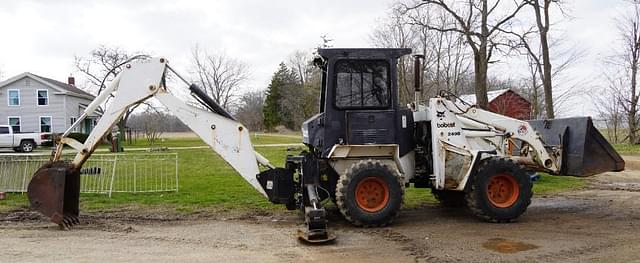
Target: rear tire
[[500, 191], [27, 146], [449, 198], [369, 194]]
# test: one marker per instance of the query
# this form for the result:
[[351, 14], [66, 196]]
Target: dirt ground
[[600, 223]]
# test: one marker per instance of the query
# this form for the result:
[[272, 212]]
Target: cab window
[[362, 84]]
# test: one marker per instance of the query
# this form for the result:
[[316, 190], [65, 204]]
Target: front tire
[[501, 191], [369, 194]]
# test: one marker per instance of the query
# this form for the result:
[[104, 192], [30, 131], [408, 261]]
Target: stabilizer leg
[[315, 219]]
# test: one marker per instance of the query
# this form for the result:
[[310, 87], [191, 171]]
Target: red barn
[[505, 102]]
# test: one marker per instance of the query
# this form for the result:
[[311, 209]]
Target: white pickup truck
[[20, 142]]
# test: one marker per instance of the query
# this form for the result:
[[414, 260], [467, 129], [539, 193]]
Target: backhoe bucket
[[585, 151], [54, 191]]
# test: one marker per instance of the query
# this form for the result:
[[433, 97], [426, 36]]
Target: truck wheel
[[500, 191], [369, 194], [26, 146], [449, 198]]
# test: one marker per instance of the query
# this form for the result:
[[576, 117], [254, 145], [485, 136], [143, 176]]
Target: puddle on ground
[[507, 246]]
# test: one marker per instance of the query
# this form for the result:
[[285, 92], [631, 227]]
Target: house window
[[14, 97], [73, 120], [45, 124], [15, 123], [43, 97]]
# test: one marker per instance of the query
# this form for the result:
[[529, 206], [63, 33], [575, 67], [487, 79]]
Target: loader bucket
[[585, 151], [54, 191]]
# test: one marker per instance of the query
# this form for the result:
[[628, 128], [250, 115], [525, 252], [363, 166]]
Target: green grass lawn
[[627, 149], [208, 183], [256, 139]]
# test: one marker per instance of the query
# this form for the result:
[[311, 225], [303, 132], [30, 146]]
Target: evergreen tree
[[283, 99], [274, 94]]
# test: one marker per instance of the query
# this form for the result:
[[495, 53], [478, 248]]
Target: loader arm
[[544, 157], [54, 189], [569, 146]]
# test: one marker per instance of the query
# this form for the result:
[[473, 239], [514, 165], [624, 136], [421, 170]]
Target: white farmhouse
[[32, 103]]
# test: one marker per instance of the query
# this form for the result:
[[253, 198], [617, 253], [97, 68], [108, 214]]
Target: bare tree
[[447, 58], [153, 121], [532, 87], [480, 23], [451, 57], [623, 79], [101, 67], [312, 92], [538, 49], [629, 29], [310, 79], [393, 31], [250, 110], [220, 76], [565, 58], [541, 11], [608, 107], [103, 64], [300, 62]]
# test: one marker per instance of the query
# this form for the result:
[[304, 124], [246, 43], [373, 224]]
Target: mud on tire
[[500, 191], [369, 194]]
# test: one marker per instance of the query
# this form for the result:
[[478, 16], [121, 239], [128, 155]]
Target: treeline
[[160, 121], [463, 42]]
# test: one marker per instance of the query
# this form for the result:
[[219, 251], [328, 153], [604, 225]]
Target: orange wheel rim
[[372, 194], [503, 190]]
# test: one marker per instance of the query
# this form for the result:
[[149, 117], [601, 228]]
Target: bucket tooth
[[75, 220], [71, 220], [67, 222]]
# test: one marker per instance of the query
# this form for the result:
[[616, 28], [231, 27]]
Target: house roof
[[57, 85], [491, 95]]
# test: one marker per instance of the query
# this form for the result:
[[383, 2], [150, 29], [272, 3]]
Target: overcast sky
[[42, 37]]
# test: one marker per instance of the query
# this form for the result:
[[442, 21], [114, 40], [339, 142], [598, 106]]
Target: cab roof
[[363, 53]]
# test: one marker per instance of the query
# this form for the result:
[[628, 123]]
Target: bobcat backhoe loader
[[363, 147]]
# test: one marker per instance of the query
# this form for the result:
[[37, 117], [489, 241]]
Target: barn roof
[[491, 95]]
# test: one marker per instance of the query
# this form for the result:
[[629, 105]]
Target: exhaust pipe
[[417, 78]]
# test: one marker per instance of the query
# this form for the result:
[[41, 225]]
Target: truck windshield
[[362, 83], [4, 130]]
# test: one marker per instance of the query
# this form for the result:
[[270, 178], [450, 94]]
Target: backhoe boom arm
[[55, 188], [143, 80]]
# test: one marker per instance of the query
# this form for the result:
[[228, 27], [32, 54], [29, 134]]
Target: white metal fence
[[102, 173]]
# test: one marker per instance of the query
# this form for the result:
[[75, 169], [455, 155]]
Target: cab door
[[6, 138], [364, 96]]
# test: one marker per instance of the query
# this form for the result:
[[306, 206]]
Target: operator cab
[[359, 101]]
